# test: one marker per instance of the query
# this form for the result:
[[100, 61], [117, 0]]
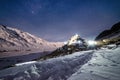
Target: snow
[[14, 42], [25, 63], [52, 69], [76, 39], [103, 64], [111, 46]]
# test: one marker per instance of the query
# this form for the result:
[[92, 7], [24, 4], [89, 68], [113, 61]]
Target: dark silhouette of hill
[[114, 30]]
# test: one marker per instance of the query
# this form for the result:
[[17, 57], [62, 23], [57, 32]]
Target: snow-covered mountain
[[14, 40], [76, 39], [74, 44], [103, 64]]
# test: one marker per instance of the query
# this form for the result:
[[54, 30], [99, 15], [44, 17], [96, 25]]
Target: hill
[[110, 33], [13, 40]]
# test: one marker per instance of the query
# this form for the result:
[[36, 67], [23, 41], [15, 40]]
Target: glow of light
[[92, 42], [65, 42], [79, 42]]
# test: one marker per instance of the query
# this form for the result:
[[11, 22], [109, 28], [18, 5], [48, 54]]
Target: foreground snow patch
[[59, 68], [104, 65], [25, 63]]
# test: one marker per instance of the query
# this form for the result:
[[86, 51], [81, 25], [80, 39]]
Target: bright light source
[[92, 42], [104, 40], [79, 42], [65, 42]]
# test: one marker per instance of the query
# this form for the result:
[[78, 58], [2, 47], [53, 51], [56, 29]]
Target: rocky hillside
[[12, 39], [111, 33]]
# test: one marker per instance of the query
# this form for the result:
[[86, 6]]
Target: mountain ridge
[[13, 39], [113, 32]]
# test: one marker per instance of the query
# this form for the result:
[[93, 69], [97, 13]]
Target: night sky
[[58, 20]]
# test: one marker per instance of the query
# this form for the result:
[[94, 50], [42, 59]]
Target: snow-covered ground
[[104, 65], [101, 64], [51, 69]]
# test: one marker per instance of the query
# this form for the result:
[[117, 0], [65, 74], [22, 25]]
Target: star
[[32, 12]]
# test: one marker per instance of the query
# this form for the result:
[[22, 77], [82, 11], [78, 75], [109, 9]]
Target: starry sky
[[58, 20]]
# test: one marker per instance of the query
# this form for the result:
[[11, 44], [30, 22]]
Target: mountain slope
[[111, 33], [102, 64], [12, 39]]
